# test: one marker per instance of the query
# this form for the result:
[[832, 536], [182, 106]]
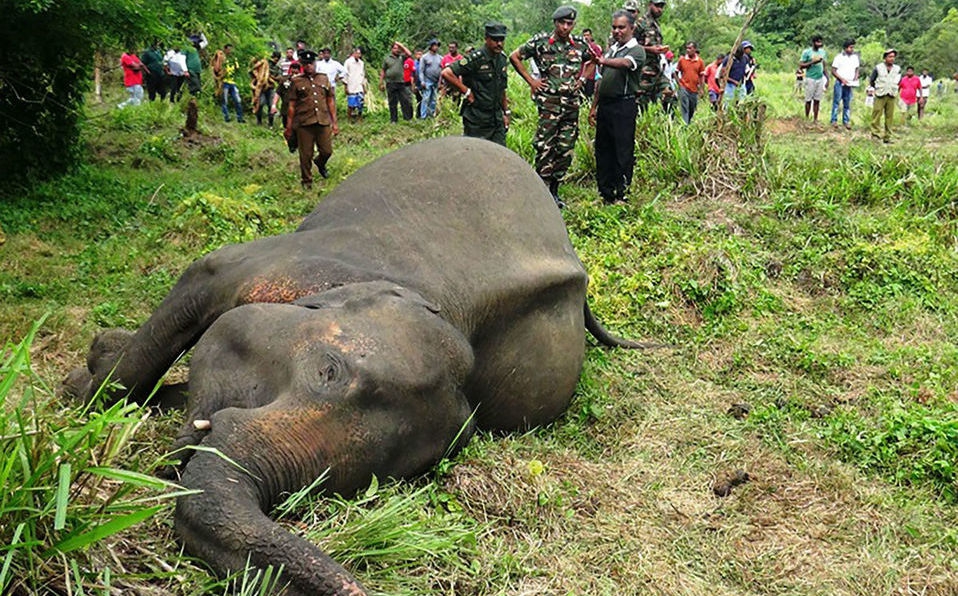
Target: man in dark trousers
[[614, 109], [392, 80], [485, 109], [311, 116]]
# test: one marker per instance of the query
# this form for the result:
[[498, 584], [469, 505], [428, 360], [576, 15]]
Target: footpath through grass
[[805, 279]]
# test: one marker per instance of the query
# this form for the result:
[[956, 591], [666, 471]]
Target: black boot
[[554, 189]]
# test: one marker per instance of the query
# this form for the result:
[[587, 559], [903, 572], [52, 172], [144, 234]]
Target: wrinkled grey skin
[[414, 295]]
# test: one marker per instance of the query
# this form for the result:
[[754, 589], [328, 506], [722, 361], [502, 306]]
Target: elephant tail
[[606, 338]]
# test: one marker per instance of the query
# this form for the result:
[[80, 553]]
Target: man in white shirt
[[925, 92], [845, 68], [355, 80], [333, 70], [174, 63]]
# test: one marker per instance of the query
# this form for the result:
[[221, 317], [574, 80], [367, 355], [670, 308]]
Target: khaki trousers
[[884, 105], [320, 136]]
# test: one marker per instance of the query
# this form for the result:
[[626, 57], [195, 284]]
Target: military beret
[[564, 12], [307, 56], [631, 6], [495, 30]]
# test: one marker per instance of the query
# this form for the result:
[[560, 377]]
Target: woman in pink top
[[908, 89]]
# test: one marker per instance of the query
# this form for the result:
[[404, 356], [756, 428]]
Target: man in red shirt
[[711, 79], [132, 78], [445, 88], [908, 89], [691, 71]]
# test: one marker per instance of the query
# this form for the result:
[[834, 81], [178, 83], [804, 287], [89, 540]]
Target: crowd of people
[[887, 87], [563, 70]]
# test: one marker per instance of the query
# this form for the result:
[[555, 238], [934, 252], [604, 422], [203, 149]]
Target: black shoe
[[322, 168]]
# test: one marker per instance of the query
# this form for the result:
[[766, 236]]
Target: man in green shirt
[[614, 106], [485, 110], [193, 66], [816, 81], [155, 78], [392, 80]]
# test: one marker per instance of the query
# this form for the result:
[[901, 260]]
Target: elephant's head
[[363, 379]]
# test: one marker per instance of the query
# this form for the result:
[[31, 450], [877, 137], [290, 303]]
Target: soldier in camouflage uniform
[[653, 84], [565, 63]]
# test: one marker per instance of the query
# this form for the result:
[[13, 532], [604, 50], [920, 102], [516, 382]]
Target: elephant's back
[[452, 209], [470, 189]]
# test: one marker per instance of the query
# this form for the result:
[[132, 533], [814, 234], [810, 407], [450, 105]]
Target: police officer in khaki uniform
[[311, 116], [485, 109]]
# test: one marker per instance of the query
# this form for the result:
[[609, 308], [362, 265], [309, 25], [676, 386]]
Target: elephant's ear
[[415, 298], [318, 301], [360, 292]]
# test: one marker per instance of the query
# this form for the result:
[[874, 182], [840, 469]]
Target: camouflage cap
[[631, 6], [564, 12], [495, 30]]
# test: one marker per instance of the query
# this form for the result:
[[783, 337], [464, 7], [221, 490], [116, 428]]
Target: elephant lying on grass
[[402, 311]]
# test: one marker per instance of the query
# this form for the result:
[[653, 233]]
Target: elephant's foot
[[77, 386], [105, 352]]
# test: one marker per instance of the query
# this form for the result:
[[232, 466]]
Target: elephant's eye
[[325, 372], [329, 372]]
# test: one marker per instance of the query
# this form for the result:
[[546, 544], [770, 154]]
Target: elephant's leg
[[283, 447], [527, 369], [274, 269]]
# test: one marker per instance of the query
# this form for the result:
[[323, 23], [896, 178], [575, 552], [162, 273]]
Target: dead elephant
[[362, 343]]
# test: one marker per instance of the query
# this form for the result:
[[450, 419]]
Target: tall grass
[[65, 487]]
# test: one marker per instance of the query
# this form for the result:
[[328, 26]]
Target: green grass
[[806, 272]]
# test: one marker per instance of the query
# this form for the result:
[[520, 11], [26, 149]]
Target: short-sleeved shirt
[[817, 70], [310, 93], [691, 73], [449, 59], [908, 89], [484, 73], [394, 67], [408, 70], [622, 82], [846, 66], [711, 77], [559, 62], [132, 75], [926, 82]]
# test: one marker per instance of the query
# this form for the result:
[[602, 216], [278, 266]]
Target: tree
[[938, 48], [47, 49]]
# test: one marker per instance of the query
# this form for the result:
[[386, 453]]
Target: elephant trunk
[[225, 525]]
